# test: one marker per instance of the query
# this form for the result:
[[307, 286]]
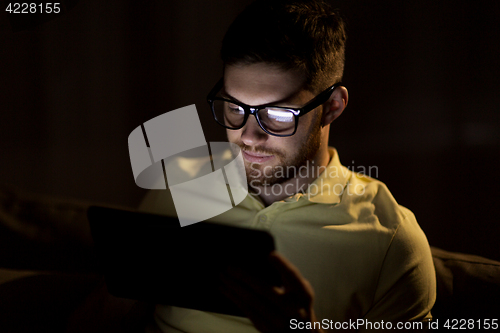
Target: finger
[[294, 299], [286, 305], [256, 285], [264, 315], [293, 281]]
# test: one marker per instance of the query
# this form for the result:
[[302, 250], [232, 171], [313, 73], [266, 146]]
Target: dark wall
[[423, 79]]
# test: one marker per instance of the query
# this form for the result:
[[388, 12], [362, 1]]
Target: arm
[[406, 288]]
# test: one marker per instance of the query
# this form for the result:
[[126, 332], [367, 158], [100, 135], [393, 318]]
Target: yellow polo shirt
[[365, 256]]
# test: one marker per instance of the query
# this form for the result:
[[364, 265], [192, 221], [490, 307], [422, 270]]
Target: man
[[345, 250]]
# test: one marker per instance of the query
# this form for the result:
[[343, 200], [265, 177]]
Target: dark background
[[423, 78]]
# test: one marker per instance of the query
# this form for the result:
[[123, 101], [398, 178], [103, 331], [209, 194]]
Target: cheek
[[301, 138], [306, 122], [288, 147], [232, 135]]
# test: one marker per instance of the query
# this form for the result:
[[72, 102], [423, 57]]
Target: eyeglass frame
[[321, 98]]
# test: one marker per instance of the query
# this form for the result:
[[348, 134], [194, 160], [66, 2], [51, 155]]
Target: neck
[[299, 183]]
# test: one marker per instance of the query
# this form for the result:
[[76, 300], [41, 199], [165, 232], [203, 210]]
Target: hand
[[268, 306]]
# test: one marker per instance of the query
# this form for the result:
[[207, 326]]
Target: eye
[[234, 108]]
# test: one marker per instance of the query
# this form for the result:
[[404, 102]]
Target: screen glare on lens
[[280, 115]]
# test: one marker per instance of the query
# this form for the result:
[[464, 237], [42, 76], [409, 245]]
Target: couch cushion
[[41, 302]]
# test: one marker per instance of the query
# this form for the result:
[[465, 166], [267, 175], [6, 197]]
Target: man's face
[[265, 155]]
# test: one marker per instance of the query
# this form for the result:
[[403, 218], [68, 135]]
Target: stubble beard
[[286, 166]]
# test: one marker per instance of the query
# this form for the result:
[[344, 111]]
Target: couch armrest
[[468, 286], [41, 301], [39, 232]]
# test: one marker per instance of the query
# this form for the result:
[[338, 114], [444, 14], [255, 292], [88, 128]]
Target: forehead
[[262, 83]]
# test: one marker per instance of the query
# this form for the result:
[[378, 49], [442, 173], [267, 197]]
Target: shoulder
[[374, 202], [406, 285]]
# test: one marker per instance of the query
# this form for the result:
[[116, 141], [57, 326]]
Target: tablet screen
[[151, 258]]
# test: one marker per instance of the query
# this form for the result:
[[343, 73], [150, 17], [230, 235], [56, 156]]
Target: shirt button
[[263, 218]]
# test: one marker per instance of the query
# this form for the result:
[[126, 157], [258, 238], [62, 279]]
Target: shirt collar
[[329, 186]]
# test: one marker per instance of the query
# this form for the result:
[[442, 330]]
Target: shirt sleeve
[[158, 202], [406, 289]]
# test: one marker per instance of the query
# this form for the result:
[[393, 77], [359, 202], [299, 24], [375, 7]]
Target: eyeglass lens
[[274, 120]]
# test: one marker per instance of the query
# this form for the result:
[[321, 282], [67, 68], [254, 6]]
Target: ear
[[335, 105]]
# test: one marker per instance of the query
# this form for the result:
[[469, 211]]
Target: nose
[[252, 134]]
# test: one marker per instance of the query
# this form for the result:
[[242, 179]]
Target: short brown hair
[[303, 34]]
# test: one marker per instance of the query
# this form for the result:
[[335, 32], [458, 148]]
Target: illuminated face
[[267, 156]]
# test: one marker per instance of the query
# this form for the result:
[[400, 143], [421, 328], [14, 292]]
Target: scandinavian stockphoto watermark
[[287, 180], [310, 170], [170, 151]]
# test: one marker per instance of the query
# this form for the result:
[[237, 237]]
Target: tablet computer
[[151, 258]]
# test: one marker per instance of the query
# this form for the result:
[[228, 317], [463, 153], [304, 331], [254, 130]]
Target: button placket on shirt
[[264, 221]]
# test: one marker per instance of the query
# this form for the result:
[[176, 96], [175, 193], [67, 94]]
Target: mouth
[[257, 157]]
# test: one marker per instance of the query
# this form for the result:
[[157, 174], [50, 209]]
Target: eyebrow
[[275, 103]]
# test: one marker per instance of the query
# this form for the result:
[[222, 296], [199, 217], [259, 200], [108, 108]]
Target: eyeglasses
[[274, 120]]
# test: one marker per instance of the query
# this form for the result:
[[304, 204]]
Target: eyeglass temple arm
[[320, 99], [215, 89]]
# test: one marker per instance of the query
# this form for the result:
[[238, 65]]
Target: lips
[[256, 157]]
